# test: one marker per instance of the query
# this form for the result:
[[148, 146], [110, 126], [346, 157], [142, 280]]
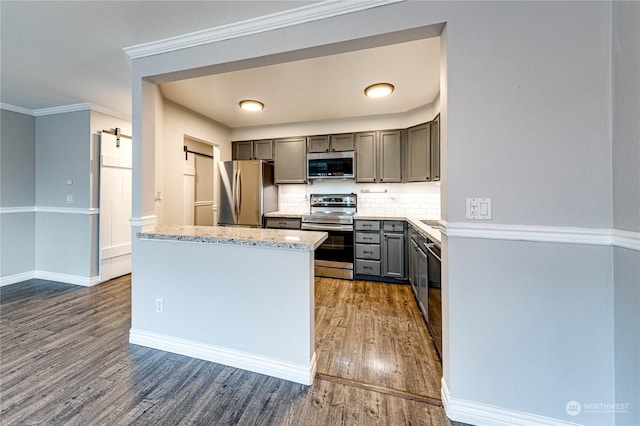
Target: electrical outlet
[[159, 305], [69, 199]]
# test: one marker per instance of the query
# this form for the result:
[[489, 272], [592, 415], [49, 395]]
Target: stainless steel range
[[333, 213]]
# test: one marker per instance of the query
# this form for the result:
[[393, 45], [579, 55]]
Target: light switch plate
[[479, 208]]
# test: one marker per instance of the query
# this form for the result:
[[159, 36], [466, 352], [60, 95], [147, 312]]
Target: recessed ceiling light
[[379, 90], [249, 105]]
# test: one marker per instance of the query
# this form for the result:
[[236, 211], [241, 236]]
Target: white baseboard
[[51, 276], [293, 372], [478, 414], [16, 278]]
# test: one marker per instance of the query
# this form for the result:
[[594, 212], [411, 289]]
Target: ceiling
[[58, 53], [323, 88]]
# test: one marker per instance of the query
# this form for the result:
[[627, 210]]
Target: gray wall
[[63, 152], [17, 189], [526, 107], [626, 204]]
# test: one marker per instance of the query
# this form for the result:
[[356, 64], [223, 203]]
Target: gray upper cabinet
[[366, 157], [242, 150], [290, 160], [390, 156], [263, 150], [435, 148], [419, 153], [325, 143], [343, 142], [318, 144], [252, 150], [379, 156]]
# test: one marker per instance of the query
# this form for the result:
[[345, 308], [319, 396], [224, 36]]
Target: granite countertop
[[239, 236], [432, 230]]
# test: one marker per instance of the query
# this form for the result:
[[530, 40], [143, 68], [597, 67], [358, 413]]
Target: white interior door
[[115, 207]]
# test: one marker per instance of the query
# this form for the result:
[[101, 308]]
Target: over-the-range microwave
[[331, 165]]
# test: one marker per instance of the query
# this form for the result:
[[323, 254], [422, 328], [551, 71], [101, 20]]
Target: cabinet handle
[[367, 252], [367, 238], [282, 223], [367, 267]]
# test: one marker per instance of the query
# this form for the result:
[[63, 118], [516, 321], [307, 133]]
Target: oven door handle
[[326, 227], [429, 246]]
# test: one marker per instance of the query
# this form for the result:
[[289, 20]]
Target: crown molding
[[85, 106], [314, 12], [63, 109], [13, 108]]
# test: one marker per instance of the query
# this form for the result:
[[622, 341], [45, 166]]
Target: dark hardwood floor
[[65, 360]]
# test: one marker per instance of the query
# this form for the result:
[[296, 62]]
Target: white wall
[[217, 308], [526, 116], [178, 123]]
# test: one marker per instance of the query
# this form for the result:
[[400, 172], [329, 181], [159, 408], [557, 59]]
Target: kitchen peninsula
[[242, 297]]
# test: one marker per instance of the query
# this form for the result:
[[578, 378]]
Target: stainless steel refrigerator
[[247, 192]]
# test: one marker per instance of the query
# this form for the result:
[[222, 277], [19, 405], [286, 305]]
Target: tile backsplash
[[401, 199]]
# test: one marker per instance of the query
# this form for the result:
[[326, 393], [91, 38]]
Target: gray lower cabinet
[[282, 222], [379, 156], [419, 153], [252, 150], [394, 261], [367, 248], [290, 160], [380, 249]]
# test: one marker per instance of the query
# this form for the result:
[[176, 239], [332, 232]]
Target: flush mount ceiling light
[[379, 90], [249, 105]]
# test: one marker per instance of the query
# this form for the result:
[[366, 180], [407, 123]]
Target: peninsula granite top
[[238, 236]]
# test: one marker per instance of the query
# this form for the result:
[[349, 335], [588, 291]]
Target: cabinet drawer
[[367, 238], [282, 223], [393, 226], [368, 251], [368, 267], [367, 225]]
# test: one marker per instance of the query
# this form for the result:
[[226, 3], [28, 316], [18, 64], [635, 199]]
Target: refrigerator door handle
[[235, 196], [239, 192], [238, 195]]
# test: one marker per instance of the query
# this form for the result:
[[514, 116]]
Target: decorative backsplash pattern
[[410, 199]]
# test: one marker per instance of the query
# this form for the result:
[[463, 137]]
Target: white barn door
[[115, 207]]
